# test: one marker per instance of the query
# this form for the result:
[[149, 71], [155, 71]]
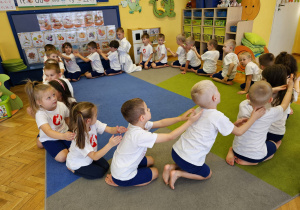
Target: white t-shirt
[[252, 144], [67, 82], [55, 118], [71, 65], [123, 50], [196, 142], [131, 151], [228, 59], [192, 57], [79, 157], [162, 50], [114, 60], [147, 51], [96, 62], [252, 68], [210, 59], [181, 55]]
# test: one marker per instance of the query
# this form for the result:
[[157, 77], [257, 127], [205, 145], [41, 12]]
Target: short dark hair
[[114, 44], [213, 42], [145, 35], [266, 59], [132, 110], [67, 44], [161, 36], [289, 61], [120, 29], [92, 44], [49, 47]]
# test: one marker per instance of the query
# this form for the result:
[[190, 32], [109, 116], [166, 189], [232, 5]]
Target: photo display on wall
[[78, 28]]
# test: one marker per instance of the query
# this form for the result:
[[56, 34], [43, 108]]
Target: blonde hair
[[50, 52], [180, 37], [34, 91], [260, 93], [248, 55], [231, 42], [52, 64], [161, 36], [202, 92], [190, 40], [79, 113], [120, 29]]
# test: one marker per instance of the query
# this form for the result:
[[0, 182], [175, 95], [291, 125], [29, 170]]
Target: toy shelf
[[208, 23]]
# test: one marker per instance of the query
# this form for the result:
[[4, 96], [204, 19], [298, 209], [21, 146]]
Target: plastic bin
[[187, 34], [187, 13], [5, 109], [220, 39], [208, 22], [209, 14], [220, 22], [220, 31], [233, 28], [187, 21], [196, 22], [198, 14], [208, 30], [196, 30], [187, 28], [222, 13], [211, 3], [197, 36], [200, 3], [206, 37]]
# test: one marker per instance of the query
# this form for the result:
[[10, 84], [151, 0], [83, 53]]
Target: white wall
[[284, 27]]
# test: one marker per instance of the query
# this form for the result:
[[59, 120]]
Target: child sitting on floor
[[125, 60], [252, 72], [252, 148], [192, 61], [146, 52], [94, 58], [113, 57], [230, 63], [161, 53], [190, 151], [180, 39], [210, 59], [53, 54], [130, 166]]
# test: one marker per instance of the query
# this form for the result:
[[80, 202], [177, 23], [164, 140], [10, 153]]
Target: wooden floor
[[22, 164]]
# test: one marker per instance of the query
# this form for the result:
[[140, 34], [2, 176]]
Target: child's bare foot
[[292, 111], [166, 173], [230, 157], [229, 83], [173, 177], [243, 162], [109, 181]]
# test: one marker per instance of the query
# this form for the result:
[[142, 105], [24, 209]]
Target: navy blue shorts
[[54, 147], [111, 71], [144, 175], [201, 71], [96, 74], [203, 170], [143, 63], [271, 148], [274, 137], [219, 76], [74, 75], [244, 85], [192, 67], [160, 64], [176, 63]]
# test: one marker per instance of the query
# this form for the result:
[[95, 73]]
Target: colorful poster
[[71, 35], [60, 36], [58, 2], [105, 45], [88, 18], [44, 21], [37, 39], [25, 40], [86, 2], [42, 3], [81, 34], [91, 33], [56, 21], [84, 49], [25, 3], [7, 5], [111, 32], [98, 18], [78, 19], [32, 55], [49, 37], [68, 19], [101, 32], [41, 54]]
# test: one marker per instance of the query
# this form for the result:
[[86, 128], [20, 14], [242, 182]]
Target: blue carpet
[[109, 93]]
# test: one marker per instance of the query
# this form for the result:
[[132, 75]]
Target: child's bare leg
[[182, 68], [167, 169], [230, 157], [175, 174], [154, 176], [278, 143], [146, 67], [207, 75], [88, 75], [150, 161], [269, 158], [174, 66], [244, 163], [38, 143], [109, 181], [153, 64], [62, 156], [222, 81]]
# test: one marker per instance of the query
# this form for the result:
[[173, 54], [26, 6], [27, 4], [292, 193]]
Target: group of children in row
[[68, 130]]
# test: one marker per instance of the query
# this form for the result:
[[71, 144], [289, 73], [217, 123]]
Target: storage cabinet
[[218, 23]]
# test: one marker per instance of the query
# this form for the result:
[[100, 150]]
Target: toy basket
[[209, 14], [187, 13], [220, 39], [206, 37], [208, 30], [198, 14], [197, 36], [222, 13], [220, 31], [208, 22], [196, 22], [5, 109], [196, 30], [187, 21], [233, 28], [220, 22], [187, 34], [187, 28]]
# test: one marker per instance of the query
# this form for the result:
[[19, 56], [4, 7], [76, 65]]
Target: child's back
[[210, 59], [252, 68], [228, 59]]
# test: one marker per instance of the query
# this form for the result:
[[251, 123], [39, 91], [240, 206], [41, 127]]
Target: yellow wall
[[263, 22], [169, 26], [296, 48]]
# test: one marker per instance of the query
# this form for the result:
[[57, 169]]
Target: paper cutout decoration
[[165, 9], [44, 21], [56, 21], [71, 36], [25, 40], [134, 6], [98, 18], [68, 19], [32, 55], [78, 19], [23, 3], [91, 33], [111, 32], [105, 45], [41, 54], [101, 32], [37, 39], [81, 35], [88, 18], [250, 9], [60, 36], [49, 37]]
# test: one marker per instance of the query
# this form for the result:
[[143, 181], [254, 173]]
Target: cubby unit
[[219, 23]]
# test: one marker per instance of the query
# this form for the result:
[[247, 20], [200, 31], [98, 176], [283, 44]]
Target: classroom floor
[[22, 164]]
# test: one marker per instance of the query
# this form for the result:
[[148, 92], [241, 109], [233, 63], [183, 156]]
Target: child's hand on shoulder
[[121, 129], [240, 122], [185, 116], [195, 116], [290, 84], [194, 49], [258, 112], [114, 140], [76, 53], [69, 136], [168, 49], [99, 51]]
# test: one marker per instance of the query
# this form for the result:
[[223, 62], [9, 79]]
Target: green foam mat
[[283, 170]]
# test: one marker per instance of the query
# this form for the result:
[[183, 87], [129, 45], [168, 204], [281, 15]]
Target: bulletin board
[[31, 31]]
